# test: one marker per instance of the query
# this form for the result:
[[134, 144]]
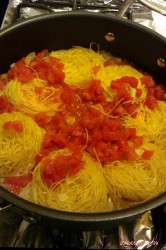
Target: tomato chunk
[[16, 125], [151, 102], [148, 81], [147, 154], [57, 169], [21, 180]]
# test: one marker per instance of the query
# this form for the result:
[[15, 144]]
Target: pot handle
[[156, 5]]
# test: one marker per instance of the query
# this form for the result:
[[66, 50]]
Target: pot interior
[[121, 37]]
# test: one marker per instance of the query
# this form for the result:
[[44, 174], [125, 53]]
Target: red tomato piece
[[2, 83], [52, 140], [120, 110], [93, 92], [128, 152], [137, 140], [121, 83], [42, 53], [16, 125], [38, 90], [159, 92], [20, 181], [132, 81], [57, 169], [148, 81], [14, 188], [41, 155], [147, 154], [95, 69], [150, 91], [21, 72], [131, 154], [133, 132], [42, 119], [151, 102], [138, 92], [132, 109], [111, 124], [110, 135], [116, 84]]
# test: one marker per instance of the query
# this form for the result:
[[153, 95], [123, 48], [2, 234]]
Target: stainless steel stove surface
[[16, 230], [147, 232]]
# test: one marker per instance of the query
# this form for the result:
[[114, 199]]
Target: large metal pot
[[122, 38]]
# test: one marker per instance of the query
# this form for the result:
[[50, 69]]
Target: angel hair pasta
[[75, 193], [82, 131], [20, 140], [33, 97]]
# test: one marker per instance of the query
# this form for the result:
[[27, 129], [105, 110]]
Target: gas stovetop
[[21, 9], [16, 230], [147, 232]]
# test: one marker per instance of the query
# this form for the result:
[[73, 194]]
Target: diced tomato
[[21, 72], [128, 152], [115, 84], [132, 81], [137, 140], [69, 95], [16, 125], [41, 155], [108, 63], [20, 181], [2, 84], [147, 154], [131, 154], [38, 90], [95, 69], [112, 124], [151, 91], [16, 183], [159, 92], [124, 134], [148, 81], [54, 170], [93, 92], [132, 109], [48, 68], [42, 53], [121, 83], [42, 119], [52, 140], [110, 136], [120, 110], [14, 188], [151, 102], [138, 92], [133, 132], [57, 169], [5, 105]]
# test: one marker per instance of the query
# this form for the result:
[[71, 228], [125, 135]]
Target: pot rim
[[80, 13], [82, 216]]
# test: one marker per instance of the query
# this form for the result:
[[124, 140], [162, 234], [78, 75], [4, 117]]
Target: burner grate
[[147, 232], [48, 6]]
